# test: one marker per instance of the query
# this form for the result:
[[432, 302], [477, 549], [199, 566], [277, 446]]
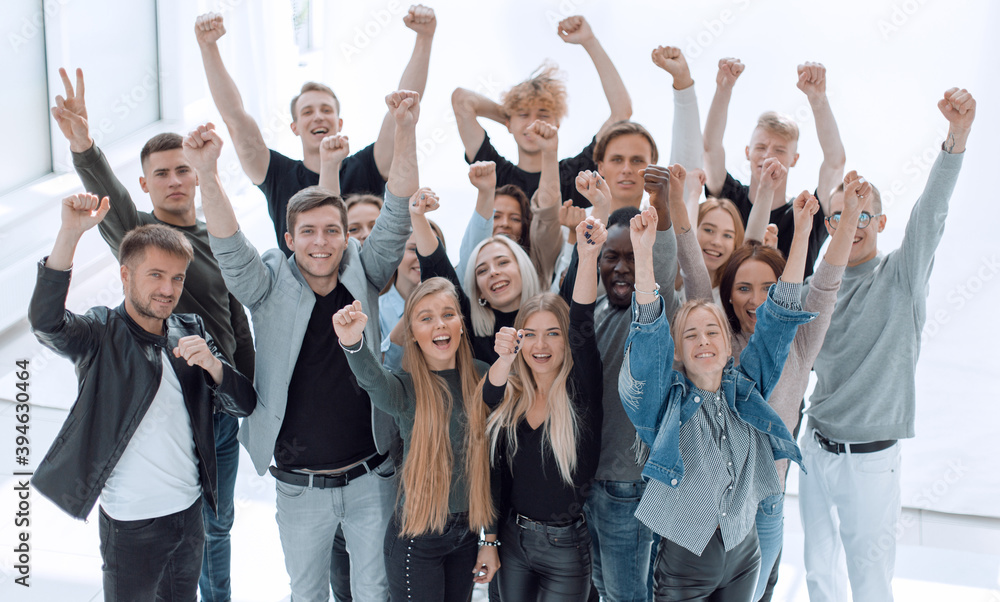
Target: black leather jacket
[[119, 366]]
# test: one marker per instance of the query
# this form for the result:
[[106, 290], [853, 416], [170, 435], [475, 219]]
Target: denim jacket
[[659, 399]]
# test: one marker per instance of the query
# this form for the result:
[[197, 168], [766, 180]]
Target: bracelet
[[655, 293], [360, 344], [492, 544]]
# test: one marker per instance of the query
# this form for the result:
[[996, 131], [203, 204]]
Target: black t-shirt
[[530, 483], [782, 217], [285, 177], [569, 168], [328, 418]]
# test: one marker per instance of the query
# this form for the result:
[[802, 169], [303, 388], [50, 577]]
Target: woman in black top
[[545, 436]]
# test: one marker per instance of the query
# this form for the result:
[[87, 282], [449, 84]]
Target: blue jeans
[[770, 530], [620, 542], [307, 523], [214, 583]]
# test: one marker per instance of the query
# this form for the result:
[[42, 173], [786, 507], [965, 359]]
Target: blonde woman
[[545, 435]]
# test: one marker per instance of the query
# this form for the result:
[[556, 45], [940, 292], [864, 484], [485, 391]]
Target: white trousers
[[850, 506]]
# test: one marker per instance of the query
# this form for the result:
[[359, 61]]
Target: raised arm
[[332, 152], [243, 130], [55, 327], [90, 163], [423, 201], [856, 189], [926, 224], [715, 123], [469, 106], [576, 30], [804, 207], [812, 81], [422, 20], [385, 389], [404, 108], [591, 235], [772, 177], [482, 175]]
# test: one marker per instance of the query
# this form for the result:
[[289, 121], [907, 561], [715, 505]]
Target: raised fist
[[729, 72], [194, 350], [959, 108], [642, 229], [404, 106], [545, 134], [678, 176], [423, 201], [507, 343], [334, 149], [804, 207], [83, 211], [656, 182], [421, 19], [812, 79], [856, 190], [671, 60], [771, 236], [590, 237], [575, 30], [208, 28], [593, 188], [571, 216], [483, 175], [202, 148], [349, 324], [70, 114], [772, 174]]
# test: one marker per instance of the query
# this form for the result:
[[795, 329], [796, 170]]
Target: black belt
[[328, 481], [555, 529], [855, 448]]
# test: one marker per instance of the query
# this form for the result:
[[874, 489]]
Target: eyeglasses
[[863, 220]]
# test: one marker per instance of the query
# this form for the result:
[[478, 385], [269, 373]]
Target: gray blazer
[[281, 303]]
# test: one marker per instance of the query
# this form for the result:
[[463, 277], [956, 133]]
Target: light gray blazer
[[281, 303]]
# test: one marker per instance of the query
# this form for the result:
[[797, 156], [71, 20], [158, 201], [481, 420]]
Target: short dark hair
[[314, 87], [751, 249], [517, 193], [311, 198], [622, 216], [132, 249], [624, 128], [159, 143]]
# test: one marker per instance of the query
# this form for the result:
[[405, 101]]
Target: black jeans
[[716, 576], [436, 567], [549, 565], [153, 559]]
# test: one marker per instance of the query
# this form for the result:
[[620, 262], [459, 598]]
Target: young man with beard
[[330, 445], [171, 184], [621, 544], [140, 433], [865, 396], [315, 117]]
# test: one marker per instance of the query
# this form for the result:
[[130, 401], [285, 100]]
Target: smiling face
[[507, 218], [753, 279], [436, 326], [624, 157], [316, 118], [153, 287], [498, 277], [543, 346], [360, 220], [703, 345], [617, 265], [717, 238], [318, 243], [765, 144], [171, 185]]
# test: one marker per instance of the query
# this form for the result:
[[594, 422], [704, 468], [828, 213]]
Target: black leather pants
[[545, 564], [715, 576]]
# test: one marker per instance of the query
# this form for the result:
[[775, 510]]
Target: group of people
[[601, 398]]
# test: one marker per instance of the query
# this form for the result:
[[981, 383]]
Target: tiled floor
[[65, 560]]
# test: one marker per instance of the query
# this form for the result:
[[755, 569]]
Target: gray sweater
[[866, 368]]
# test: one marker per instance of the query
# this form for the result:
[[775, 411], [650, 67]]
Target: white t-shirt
[[157, 474]]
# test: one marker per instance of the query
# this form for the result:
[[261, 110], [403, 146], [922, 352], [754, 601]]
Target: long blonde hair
[[561, 424], [428, 467], [483, 318]]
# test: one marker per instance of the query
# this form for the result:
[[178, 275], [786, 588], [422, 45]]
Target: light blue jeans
[[307, 523], [215, 581], [620, 542], [770, 530]]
